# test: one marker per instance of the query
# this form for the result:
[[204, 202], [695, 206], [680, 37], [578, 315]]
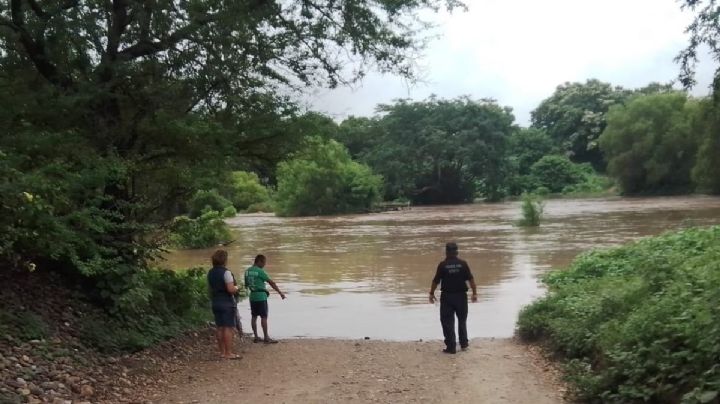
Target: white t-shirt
[[228, 277]]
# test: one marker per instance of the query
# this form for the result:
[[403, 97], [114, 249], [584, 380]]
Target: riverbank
[[49, 338], [45, 358], [362, 371]]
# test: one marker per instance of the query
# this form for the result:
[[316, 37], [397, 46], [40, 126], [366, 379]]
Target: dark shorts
[[259, 309], [225, 316]]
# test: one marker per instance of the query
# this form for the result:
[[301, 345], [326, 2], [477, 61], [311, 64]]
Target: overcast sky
[[518, 51]]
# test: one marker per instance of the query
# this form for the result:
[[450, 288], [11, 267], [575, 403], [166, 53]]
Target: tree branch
[[147, 47], [38, 10], [35, 49], [118, 23]]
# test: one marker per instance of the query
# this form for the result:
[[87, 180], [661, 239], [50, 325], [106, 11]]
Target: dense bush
[[556, 172], [161, 304], [532, 209], [706, 172], [637, 323], [207, 200], [527, 146], [205, 231], [651, 143], [24, 325], [246, 190], [325, 180]]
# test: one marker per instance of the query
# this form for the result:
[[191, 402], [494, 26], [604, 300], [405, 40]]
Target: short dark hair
[[219, 258], [451, 249], [259, 258]]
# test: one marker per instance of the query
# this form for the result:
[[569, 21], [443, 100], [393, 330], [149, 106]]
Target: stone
[[86, 390], [16, 384], [50, 385], [23, 392]]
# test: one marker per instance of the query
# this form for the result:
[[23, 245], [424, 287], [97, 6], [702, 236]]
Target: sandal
[[270, 341], [234, 357], [256, 339]]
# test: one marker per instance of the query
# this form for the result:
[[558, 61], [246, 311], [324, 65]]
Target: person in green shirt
[[255, 278]]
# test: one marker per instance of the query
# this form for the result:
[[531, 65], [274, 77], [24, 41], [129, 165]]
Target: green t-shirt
[[255, 278]]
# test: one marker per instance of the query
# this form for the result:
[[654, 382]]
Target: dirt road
[[335, 371]]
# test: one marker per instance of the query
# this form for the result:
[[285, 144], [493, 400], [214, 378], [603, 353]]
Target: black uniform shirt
[[453, 273]]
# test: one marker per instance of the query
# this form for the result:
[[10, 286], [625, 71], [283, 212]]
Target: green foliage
[[265, 207], [574, 116], [246, 190], [532, 210], [651, 143], [56, 208], [527, 146], [359, 134], [706, 172], [208, 200], [636, 322], [440, 151], [324, 180], [24, 325], [556, 173], [160, 305], [208, 230]]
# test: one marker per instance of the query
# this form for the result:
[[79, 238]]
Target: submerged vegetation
[[638, 323], [532, 210]]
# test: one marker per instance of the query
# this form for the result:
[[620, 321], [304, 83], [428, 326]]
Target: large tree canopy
[[441, 151], [651, 143], [574, 116]]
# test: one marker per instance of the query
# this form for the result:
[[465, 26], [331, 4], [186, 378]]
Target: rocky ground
[[44, 359]]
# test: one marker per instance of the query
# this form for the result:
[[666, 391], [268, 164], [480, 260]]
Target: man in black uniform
[[454, 274]]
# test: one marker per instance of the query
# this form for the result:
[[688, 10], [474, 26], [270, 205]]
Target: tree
[[704, 31], [574, 116], [706, 172], [442, 151], [358, 134], [324, 180], [246, 190], [528, 145], [555, 173], [652, 142], [159, 96]]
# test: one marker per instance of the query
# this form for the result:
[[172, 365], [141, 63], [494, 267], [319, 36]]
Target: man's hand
[[282, 295], [473, 298], [432, 298]]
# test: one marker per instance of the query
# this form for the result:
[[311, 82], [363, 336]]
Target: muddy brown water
[[358, 276]]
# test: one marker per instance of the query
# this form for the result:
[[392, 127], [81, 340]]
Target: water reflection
[[368, 275]]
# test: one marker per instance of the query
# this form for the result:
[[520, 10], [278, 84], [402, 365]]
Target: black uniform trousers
[[454, 304]]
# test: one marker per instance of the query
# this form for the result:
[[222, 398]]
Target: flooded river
[[368, 275]]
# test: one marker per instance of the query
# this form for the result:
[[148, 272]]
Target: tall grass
[[532, 211]]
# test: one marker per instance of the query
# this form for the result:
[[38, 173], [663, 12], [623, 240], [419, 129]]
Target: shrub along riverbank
[[639, 322]]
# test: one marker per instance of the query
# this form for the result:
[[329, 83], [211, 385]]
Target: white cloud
[[518, 51]]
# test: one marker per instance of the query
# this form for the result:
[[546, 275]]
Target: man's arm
[[471, 280], [473, 298], [433, 286], [274, 286], [435, 283], [230, 283]]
